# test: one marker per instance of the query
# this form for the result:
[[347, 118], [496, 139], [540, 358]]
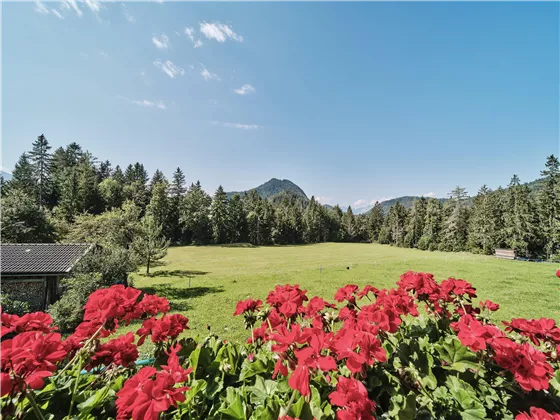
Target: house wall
[[27, 289]]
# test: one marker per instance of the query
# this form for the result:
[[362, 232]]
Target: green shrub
[[14, 307]]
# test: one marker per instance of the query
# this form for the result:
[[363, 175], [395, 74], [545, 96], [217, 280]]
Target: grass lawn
[[220, 276]]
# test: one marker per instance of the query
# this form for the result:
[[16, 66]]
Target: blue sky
[[352, 101]]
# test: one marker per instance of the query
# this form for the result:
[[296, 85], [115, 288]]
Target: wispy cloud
[[127, 14], [161, 42], [245, 90], [430, 194], [103, 54], [41, 8], [72, 5], [190, 33], [360, 203], [169, 68], [237, 125], [324, 200], [94, 5], [145, 103], [219, 32], [57, 13], [207, 75], [5, 170]]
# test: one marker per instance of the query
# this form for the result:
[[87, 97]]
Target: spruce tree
[[23, 175], [219, 216], [156, 178], [415, 223], [375, 221], [432, 226], [69, 204], [549, 200], [349, 224], [176, 191], [484, 222], [455, 226], [41, 161], [520, 221], [237, 218], [159, 206], [195, 215], [396, 223]]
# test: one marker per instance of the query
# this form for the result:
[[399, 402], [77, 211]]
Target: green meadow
[[205, 283]]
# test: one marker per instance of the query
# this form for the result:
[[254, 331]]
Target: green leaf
[[456, 355], [250, 369], [465, 395], [262, 389], [403, 408], [233, 408]]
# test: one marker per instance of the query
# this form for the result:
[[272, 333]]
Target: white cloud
[[207, 75], [381, 199], [360, 203], [127, 14], [5, 170], [162, 42], [219, 32], [190, 33], [145, 103], [57, 13], [103, 54], [245, 90], [169, 68], [324, 200], [71, 4], [94, 5], [430, 194], [41, 8], [237, 125]]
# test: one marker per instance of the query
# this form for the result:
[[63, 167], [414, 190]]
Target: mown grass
[[205, 283]]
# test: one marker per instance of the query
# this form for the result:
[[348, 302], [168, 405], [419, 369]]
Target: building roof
[[40, 258]]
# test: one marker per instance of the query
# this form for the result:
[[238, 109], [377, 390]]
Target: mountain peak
[[274, 187]]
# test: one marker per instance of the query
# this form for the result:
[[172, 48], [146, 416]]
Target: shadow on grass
[[177, 273], [178, 296], [239, 245]]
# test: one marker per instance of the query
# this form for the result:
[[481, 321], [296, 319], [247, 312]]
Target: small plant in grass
[[421, 350]]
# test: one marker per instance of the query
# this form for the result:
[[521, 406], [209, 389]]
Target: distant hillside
[[273, 188]]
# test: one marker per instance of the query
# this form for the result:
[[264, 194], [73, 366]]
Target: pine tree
[[396, 223], [349, 224], [484, 222], [159, 206], [156, 178], [74, 154], [237, 229], [41, 161], [549, 200], [88, 194], [455, 226], [195, 215], [150, 245], [432, 226], [23, 176], [104, 171], [375, 221], [176, 191], [59, 165], [520, 222], [415, 223], [69, 204], [219, 216], [314, 222]]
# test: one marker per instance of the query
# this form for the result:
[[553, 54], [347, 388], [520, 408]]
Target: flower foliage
[[421, 350]]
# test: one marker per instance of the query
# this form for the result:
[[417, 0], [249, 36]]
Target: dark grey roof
[[40, 258]]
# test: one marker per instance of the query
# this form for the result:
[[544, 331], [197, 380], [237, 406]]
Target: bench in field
[[506, 254]]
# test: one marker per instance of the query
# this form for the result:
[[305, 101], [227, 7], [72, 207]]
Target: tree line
[[70, 195]]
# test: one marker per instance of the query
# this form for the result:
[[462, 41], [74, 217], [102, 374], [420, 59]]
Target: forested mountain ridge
[[273, 187]]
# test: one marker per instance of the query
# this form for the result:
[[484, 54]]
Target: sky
[[354, 102]]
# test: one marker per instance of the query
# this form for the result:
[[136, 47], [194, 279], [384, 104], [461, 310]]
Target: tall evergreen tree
[[176, 191], [432, 225], [484, 222], [88, 193], [549, 201], [159, 206], [415, 223], [375, 221], [195, 215], [237, 218], [314, 222], [219, 216], [23, 175], [520, 221], [156, 178], [69, 204], [455, 226], [105, 170], [349, 224], [397, 223], [41, 160]]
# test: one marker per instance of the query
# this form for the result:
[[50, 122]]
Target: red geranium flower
[[153, 305], [168, 326], [316, 305], [287, 299], [248, 305], [457, 287], [473, 334], [558, 273], [284, 338], [368, 289], [351, 395], [110, 305], [28, 358], [310, 358], [422, 283], [36, 321], [120, 351], [537, 414], [488, 304], [535, 329], [346, 293], [527, 364]]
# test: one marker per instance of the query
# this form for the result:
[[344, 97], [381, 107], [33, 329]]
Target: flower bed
[[369, 355]]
